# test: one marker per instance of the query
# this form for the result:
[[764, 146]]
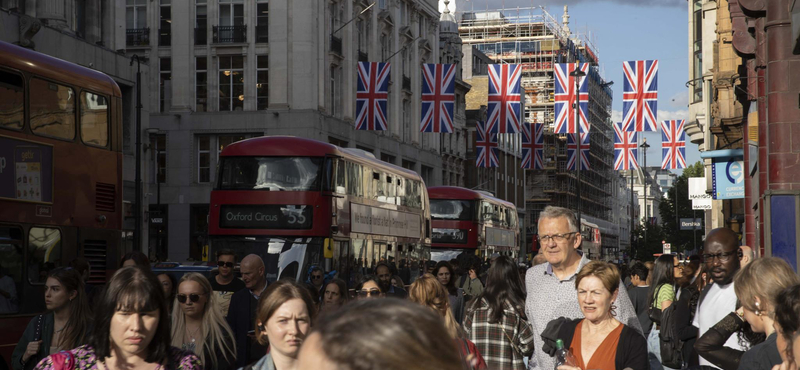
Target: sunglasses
[[315, 277], [369, 293], [225, 264], [192, 297]]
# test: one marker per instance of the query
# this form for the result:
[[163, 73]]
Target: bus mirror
[[328, 248]]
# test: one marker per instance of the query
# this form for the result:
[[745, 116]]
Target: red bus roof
[[292, 146], [27, 60], [455, 192]]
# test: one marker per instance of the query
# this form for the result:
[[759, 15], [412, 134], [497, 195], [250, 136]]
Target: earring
[[758, 309], [613, 310]]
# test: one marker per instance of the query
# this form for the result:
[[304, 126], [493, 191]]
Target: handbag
[[653, 312], [63, 360]]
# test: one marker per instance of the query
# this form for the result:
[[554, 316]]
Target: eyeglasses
[[225, 264], [369, 293], [315, 277], [723, 257], [192, 297], [558, 238]]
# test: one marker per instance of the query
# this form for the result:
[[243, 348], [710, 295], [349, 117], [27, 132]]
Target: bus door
[[341, 258]]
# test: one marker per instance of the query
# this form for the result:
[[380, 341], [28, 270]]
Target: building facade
[[454, 146]]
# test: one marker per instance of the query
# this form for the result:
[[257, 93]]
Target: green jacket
[[46, 337]]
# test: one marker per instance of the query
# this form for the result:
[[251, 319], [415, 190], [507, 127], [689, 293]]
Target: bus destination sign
[[265, 216], [457, 236], [26, 170]]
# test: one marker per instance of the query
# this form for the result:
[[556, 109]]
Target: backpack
[[671, 346]]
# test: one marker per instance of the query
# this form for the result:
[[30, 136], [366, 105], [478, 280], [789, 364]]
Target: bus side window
[[94, 119], [340, 185], [53, 110], [12, 100], [44, 253], [10, 268]]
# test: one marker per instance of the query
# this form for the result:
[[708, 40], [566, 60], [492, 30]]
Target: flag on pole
[[486, 145], [533, 146], [572, 149], [505, 105], [438, 97], [625, 148], [372, 93], [640, 95], [565, 96], [673, 145]]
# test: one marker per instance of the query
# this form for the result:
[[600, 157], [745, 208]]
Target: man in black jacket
[[242, 312]]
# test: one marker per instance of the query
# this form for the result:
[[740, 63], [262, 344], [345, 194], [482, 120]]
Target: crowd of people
[[723, 309]]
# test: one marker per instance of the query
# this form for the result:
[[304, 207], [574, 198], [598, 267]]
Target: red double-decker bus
[[60, 178], [471, 221], [299, 203]]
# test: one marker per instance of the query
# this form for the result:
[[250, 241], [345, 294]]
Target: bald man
[[747, 255], [242, 311]]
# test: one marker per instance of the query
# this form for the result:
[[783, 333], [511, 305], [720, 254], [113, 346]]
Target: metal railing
[[201, 36], [336, 45], [137, 37], [230, 34], [262, 33]]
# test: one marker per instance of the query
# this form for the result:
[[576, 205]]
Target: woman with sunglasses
[[283, 319], [225, 284], [368, 287], [198, 324]]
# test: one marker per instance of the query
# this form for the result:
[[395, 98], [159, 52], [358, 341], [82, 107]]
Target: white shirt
[[718, 303]]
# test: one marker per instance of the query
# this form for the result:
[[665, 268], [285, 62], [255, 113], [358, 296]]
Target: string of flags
[[504, 112]]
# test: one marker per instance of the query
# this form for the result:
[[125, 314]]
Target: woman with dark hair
[[787, 325], [686, 305], [169, 285], [501, 306], [368, 287], [65, 324], [666, 269], [135, 258], [131, 330], [446, 275], [334, 295]]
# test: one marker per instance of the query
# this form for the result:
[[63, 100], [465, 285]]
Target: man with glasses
[[225, 283], [317, 279], [721, 255], [551, 285]]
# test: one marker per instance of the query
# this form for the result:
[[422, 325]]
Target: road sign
[[667, 248], [691, 224]]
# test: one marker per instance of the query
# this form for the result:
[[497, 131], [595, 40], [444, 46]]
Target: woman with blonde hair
[[429, 292], [199, 326]]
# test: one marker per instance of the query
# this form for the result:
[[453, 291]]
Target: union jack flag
[[572, 148], [438, 97], [486, 145], [625, 148], [673, 145], [640, 95], [533, 146], [565, 98], [505, 106], [372, 92]]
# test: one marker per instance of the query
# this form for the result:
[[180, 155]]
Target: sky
[[625, 30]]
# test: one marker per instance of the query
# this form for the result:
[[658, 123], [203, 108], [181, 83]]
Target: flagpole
[[577, 73]]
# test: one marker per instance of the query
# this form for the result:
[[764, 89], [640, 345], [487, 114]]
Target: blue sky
[[629, 30]]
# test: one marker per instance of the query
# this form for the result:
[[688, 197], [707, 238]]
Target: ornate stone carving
[[28, 26]]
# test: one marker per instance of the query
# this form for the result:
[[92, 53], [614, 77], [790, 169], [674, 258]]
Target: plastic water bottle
[[563, 355]]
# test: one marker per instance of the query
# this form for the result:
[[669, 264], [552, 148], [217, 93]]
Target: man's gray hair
[[558, 212]]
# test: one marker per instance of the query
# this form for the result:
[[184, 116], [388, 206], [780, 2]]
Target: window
[[697, 61], [333, 93], [204, 158], [388, 158], [361, 34], [11, 262], [158, 145], [262, 82], [165, 84], [231, 13], [201, 22], [44, 253], [135, 14], [262, 22], [384, 47], [201, 84], [226, 140], [231, 83], [165, 24], [12, 100], [53, 111], [94, 119], [270, 173]]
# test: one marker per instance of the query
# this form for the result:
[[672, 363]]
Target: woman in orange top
[[599, 341]]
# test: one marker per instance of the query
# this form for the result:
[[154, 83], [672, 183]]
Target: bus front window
[[446, 209], [271, 173]]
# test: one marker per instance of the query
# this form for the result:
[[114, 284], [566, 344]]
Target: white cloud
[[679, 100]]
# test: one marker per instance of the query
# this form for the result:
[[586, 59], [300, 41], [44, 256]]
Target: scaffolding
[[532, 38]]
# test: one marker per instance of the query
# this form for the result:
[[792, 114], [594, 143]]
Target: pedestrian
[[63, 326], [225, 284], [84, 269], [386, 334], [471, 282], [242, 313], [721, 257], [168, 285], [397, 282], [495, 321], [638, 292], [539, 259], [599, 340], [446, 276], [429, 292], [131, 330], [550, 286], [135, 258], [787, 325], [384, 275], [9, 302], [661, 295], [317, 279], [199, 326], [368, 288], [335, 296], [285, 315], [685, 307]]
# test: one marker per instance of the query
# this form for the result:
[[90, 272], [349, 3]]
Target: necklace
[[192, 345]]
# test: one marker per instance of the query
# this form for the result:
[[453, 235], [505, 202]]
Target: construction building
[[534, 39]]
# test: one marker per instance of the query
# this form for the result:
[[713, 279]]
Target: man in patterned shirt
[[551, 286]]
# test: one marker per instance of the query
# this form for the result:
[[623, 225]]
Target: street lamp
[[644, 147], [578, 74]]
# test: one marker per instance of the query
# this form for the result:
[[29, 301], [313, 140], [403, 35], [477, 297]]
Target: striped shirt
[[494, 340], [550, 298]]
